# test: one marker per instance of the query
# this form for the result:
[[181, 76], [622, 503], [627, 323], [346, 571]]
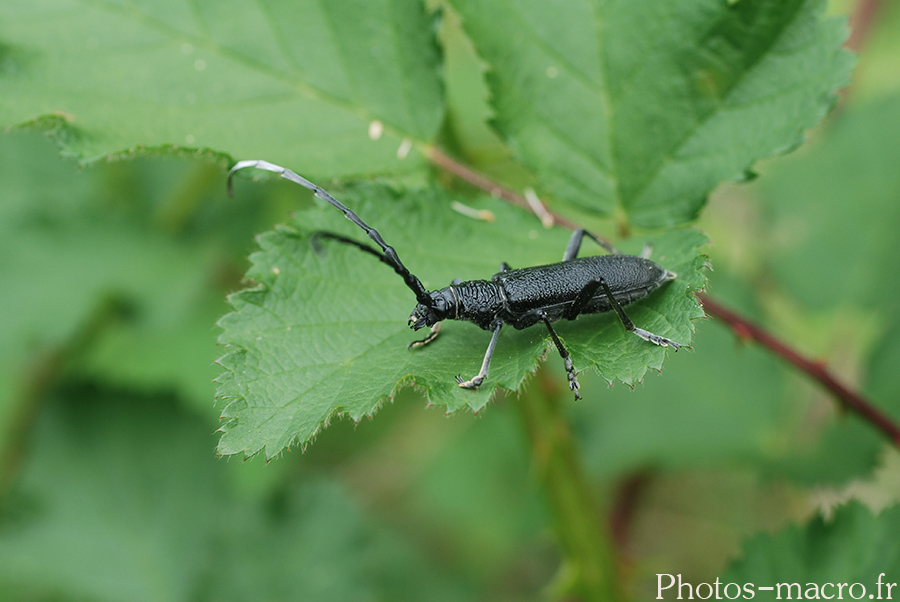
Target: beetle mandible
[[518, 297]]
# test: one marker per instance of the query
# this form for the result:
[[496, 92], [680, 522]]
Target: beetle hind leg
[[656, 339], [629, 325]]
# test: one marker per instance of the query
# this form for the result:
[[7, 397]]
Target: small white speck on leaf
[[376, 129], [538, 208], [480, 214], [404, 148]]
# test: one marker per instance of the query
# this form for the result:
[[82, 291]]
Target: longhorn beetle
[[518, 297]]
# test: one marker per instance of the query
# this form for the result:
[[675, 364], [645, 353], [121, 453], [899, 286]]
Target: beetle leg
[[476, 381], [629, 325], [575, 244], [564, 354], [582, 299], [435, 331]]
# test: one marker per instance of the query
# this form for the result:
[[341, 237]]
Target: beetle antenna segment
[[388, 255]]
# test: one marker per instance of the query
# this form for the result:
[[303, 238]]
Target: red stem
[[851, 400], [481, 182], [861, 23]]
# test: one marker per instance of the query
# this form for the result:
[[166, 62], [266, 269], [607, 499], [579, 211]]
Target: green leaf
[[116, 501], [321, 336], [644, 107], [296, 82], [313, 543], [101, 280], [854, 546]]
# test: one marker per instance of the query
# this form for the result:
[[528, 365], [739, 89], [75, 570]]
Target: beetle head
[[441, 306]]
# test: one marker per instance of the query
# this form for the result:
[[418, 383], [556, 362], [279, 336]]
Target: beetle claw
[[470, 384]]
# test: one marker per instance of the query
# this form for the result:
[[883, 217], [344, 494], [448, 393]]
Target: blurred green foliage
[[114, 277]]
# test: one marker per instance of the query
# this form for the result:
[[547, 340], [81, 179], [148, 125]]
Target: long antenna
[[390, 255]]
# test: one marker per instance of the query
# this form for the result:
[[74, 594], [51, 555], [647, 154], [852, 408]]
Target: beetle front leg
[[435, 331], [476, 381]]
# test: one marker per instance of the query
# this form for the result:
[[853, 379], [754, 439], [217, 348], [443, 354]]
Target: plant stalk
[[589, 569]]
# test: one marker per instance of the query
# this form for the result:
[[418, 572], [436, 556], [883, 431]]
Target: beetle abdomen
[[555, 286]]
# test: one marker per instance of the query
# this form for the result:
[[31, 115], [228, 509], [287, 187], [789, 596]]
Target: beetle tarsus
[[573, 378], [656, 339], [485, 365], [435, 331], [470, 384], [571, 374]]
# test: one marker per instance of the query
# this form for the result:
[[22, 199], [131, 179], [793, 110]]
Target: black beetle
[[518, 297]]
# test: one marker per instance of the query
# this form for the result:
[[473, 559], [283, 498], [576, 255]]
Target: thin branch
[[861, 21], [481, 182], [852, 400]]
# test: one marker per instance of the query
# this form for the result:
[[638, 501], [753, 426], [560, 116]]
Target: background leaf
[[121, 500], [854, 546], [145, 495], [821, 200], [305, 77], [642, 108]]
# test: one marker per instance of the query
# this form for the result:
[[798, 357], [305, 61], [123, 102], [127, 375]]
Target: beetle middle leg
[[564, 354], [476, 381]]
